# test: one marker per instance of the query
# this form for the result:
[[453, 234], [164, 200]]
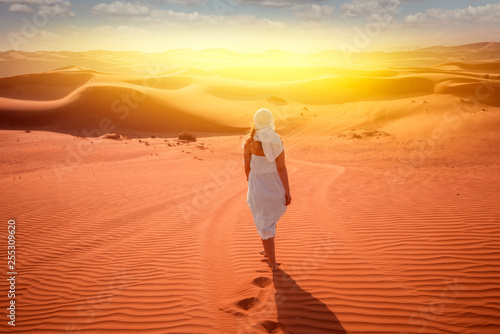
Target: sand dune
[[474, 47], [74, 99], [487, 68], [43, 87], [139, 63], [123, 228]]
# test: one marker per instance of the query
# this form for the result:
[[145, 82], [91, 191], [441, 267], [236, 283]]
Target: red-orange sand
[[394, 225]]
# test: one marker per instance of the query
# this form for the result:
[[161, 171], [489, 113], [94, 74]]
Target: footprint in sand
[[248, 303], [240, 307], [255, 308], [273, 327], [261, 282]]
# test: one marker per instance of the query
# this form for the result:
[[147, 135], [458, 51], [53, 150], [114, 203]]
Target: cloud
[[20, 8], [169, 17], [44, 35], [45, 7], [356, 8], [122, 29], [118, 8], [62, 9], [139, 13], [32, 2], [312, 12], [189, 3], [279, 3], [437, 17]]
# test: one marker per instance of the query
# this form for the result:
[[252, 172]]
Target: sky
[[251, 26]]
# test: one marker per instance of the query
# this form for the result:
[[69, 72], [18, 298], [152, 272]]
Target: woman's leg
[[269, 248]]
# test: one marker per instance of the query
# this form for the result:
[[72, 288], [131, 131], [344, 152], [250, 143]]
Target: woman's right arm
[[280, 164]]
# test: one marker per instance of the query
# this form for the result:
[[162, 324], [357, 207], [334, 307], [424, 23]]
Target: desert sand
[[393, 161]]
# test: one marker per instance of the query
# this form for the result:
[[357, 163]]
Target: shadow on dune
[[299, 311]]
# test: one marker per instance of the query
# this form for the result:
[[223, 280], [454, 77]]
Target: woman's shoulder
[[247, 141]]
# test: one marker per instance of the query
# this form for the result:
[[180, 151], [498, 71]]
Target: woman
[[268, 191]]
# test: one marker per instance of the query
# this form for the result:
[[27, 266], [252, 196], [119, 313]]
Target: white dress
[[265, 196]]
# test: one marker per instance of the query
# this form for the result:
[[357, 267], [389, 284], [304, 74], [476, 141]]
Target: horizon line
[[409, 49]]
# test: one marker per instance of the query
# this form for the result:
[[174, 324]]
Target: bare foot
[[263, 253], [275, 267]]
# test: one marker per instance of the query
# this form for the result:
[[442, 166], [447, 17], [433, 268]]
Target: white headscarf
[[271, 142]]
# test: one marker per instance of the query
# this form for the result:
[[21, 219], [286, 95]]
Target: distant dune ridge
[[157, 92], [468, 48]]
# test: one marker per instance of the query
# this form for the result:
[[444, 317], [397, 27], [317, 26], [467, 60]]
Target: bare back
[[256, 147]]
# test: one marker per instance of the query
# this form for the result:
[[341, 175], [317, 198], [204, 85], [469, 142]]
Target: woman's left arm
[[247, 155]]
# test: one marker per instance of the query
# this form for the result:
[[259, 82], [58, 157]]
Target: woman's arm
[[247, 155], [280, 164]]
